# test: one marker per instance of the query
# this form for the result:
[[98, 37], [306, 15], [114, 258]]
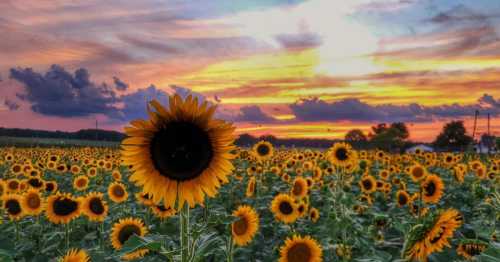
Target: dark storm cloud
[[60, 93], [119, 84], [11, 105], [299, 41], [253, 114], [314, 109], [135, 103]]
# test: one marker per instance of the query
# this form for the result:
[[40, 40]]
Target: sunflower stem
[[230, 249], [17, 230], [184, 233], [66, 235]]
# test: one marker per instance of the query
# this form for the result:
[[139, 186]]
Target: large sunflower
[[432, 189], [180, 154], [245, 228], [299, 188], [263, 150], [12, 205], [123, 230], [75, 255], [284, 208], [95, 207], [431, 235], [33, 202], [117, 192], [301, 249], [341, 154], [62, 208]]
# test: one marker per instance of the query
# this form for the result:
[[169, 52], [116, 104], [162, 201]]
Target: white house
[[422, 147]]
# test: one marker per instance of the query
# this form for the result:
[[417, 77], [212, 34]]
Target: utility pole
[[475, 125], [488, 124]]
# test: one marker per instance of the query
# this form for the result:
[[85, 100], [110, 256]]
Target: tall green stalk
[[184, 233]]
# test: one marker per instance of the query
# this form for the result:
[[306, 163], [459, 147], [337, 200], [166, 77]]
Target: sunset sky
[[290, 68]]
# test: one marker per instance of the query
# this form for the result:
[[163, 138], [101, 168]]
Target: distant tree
[[355, 135], [403, 130], [392, 137], [453, 136], [498, 143]]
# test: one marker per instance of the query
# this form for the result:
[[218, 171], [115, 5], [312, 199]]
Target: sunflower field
[[179, 190]]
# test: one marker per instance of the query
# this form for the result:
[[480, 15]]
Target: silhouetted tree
[[389, 138], [355, 135], [453, 136]]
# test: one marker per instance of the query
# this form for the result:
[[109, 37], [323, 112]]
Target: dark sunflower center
[[181, 151], [240, 226], [96, 206], [49, 187], [448, 159], [126, 232], [285, 208], [367, 184], [13, 185], [430, 189], [297, 189], [13, 207], [299, 253], [34, 201], [118, 191], [16, 169], [341, 154], [81, 182], [436, 238], [418, 172], [263, 150], [301, 209], [53, 158], [64, 206], [162, 208], [402, 199], [35, 182]]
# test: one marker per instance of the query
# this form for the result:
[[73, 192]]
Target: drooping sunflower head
[[368, 184], [12, 205], [300, 249], [75, 255], [123, 230], [341, 154], [431, 235], [250, 187], [469, 248], [299, 188], [284, 208], [117, 192], [246, 225], [263, 150], [81, 183], [95, 207], [181, 153], [432, 189], [314, 214], [162, 212], [62, 208], [33, 203]]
